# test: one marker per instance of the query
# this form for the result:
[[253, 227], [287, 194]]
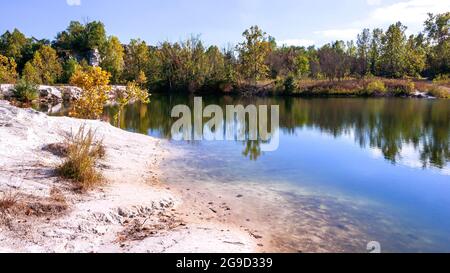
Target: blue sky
[[300, 22]]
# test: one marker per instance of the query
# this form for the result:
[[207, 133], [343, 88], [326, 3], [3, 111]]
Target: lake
[[348, 171]]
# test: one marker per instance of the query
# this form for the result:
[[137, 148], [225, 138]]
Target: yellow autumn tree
[[8, 73], [141, 79], [253, 53], [95, 84], [132, 93]]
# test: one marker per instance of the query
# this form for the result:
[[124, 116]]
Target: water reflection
[[387, 125]]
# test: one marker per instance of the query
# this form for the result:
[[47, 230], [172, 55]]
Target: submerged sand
[[131, 212]]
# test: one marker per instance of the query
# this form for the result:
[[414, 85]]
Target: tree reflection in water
[[385, 124]]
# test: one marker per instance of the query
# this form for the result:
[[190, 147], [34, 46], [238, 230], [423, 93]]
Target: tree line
[[191, 66]]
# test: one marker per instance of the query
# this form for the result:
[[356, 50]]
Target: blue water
[[387, 158]]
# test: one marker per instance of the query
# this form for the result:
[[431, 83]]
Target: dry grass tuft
[[139, 229], [57, 196], [8, 201], [16, 208], [83, 152], [58, 149]]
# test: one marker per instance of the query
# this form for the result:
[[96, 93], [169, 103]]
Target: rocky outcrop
[[94, 57], [6, 90], [70, 93], [47, 94], [421, 95], [56, 94]]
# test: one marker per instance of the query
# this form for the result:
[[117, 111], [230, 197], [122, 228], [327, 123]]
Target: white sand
[[132, 212]]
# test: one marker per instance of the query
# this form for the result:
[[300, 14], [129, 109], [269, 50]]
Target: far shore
[[407, 88], [133, 211]]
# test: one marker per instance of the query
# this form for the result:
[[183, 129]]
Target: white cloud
[[73, 2], [373, 2], [296, 42], [408, 12], [411, 13], [339, 34]]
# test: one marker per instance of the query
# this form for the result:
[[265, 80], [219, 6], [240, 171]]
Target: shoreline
[[55, 95], [345, 88], [131, 212]]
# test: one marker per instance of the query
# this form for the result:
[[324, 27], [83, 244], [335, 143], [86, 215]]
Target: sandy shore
[[131, 212]]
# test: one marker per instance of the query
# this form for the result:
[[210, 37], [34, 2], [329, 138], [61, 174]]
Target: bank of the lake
[[341, 177], [131, 212], [364, 87], [55, 96]]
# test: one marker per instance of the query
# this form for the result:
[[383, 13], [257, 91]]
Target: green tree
[[363, 45], [79, 40], [253, 53], [215, 70], [113, 58], [69, 67], [17, 46], [301, 65], [44, 68], [230, 62], [95, 36], [12, 44], [375, 51], [186, 66], [437, 29], [415, 57], [194, 64], [136, 60], [393, 57], [31, 74], [72, 41]]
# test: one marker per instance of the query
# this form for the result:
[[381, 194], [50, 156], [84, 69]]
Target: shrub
[[439, 92], [132, 93], [442, 79], [83, 153], [94, 82], [289, 84], [278, 85], [25, 91], [375, 86], [69, 68], [400, 88]]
